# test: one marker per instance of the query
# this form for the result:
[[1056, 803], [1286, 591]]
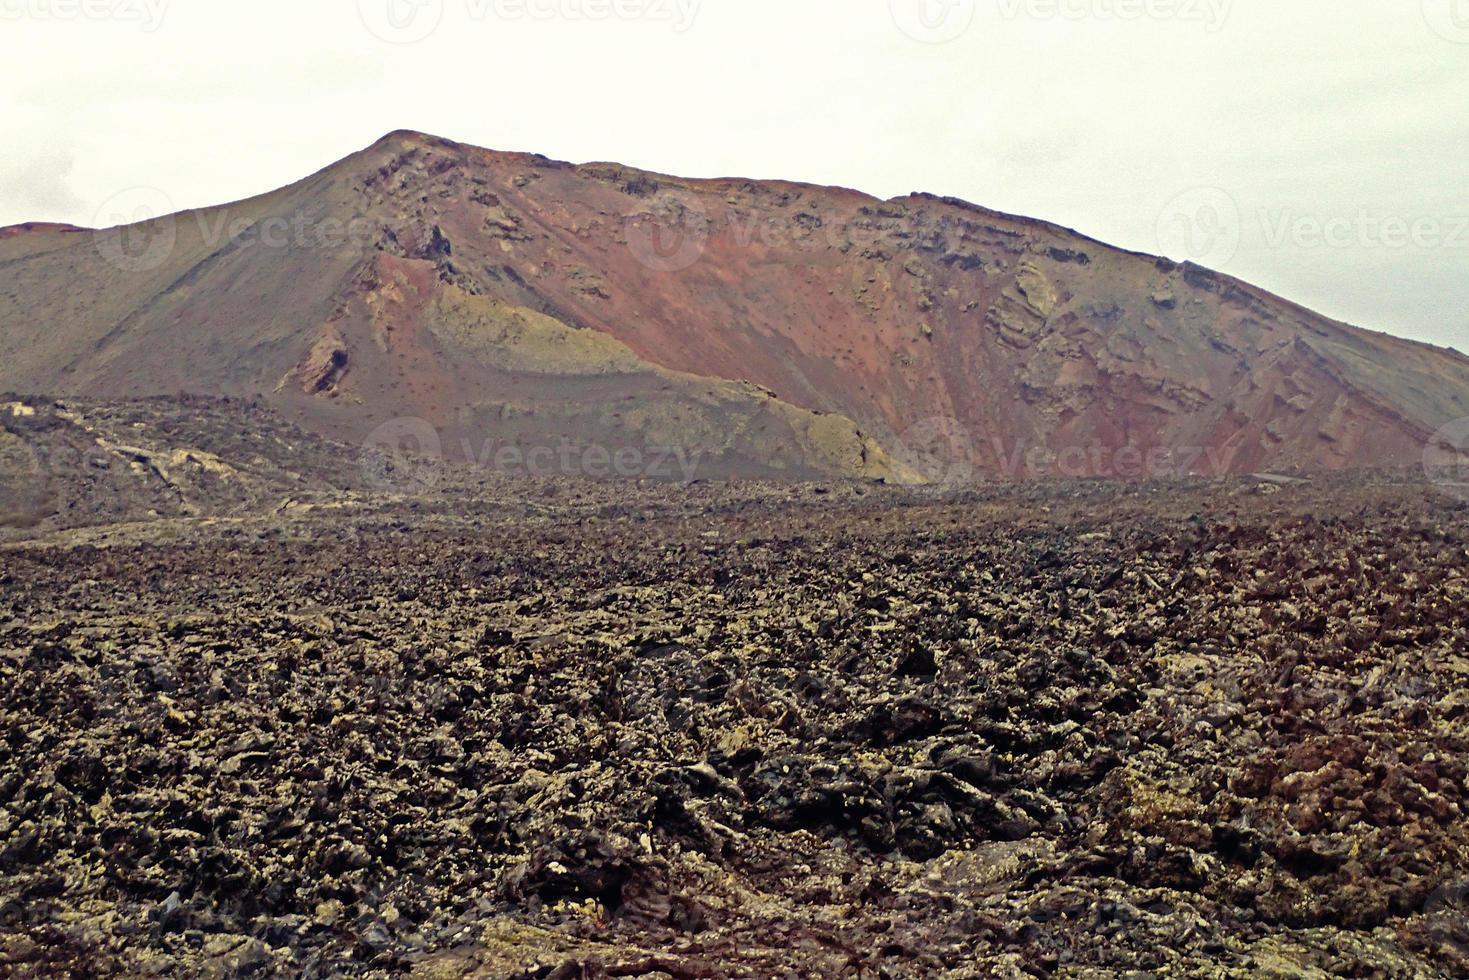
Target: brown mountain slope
[[771, 328]]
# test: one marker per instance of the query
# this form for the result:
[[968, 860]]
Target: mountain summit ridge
[[776, 328]]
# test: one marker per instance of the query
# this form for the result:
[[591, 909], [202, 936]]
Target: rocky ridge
[[780, 330]]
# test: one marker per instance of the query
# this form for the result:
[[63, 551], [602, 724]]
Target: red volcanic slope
[[13, 231], [778, 328]]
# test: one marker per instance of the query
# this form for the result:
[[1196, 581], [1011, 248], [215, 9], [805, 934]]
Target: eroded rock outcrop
[[1033, 341]]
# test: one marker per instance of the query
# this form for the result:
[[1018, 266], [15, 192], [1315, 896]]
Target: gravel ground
[[534, 731]]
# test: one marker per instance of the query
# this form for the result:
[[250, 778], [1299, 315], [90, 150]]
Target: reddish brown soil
[[1040, 352]]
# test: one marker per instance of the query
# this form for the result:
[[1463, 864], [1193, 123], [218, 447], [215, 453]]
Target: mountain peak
[[782, 329], [408, 137]]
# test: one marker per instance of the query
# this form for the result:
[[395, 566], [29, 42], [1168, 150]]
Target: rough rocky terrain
[[71, 463], [515, 728], [779, 329]]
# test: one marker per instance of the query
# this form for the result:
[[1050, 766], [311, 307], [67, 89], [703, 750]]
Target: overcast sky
[[1317, 147]]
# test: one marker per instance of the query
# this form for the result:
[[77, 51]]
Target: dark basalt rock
[[1065, 730]]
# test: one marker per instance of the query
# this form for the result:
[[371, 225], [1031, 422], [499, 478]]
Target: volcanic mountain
[[766, 328]]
